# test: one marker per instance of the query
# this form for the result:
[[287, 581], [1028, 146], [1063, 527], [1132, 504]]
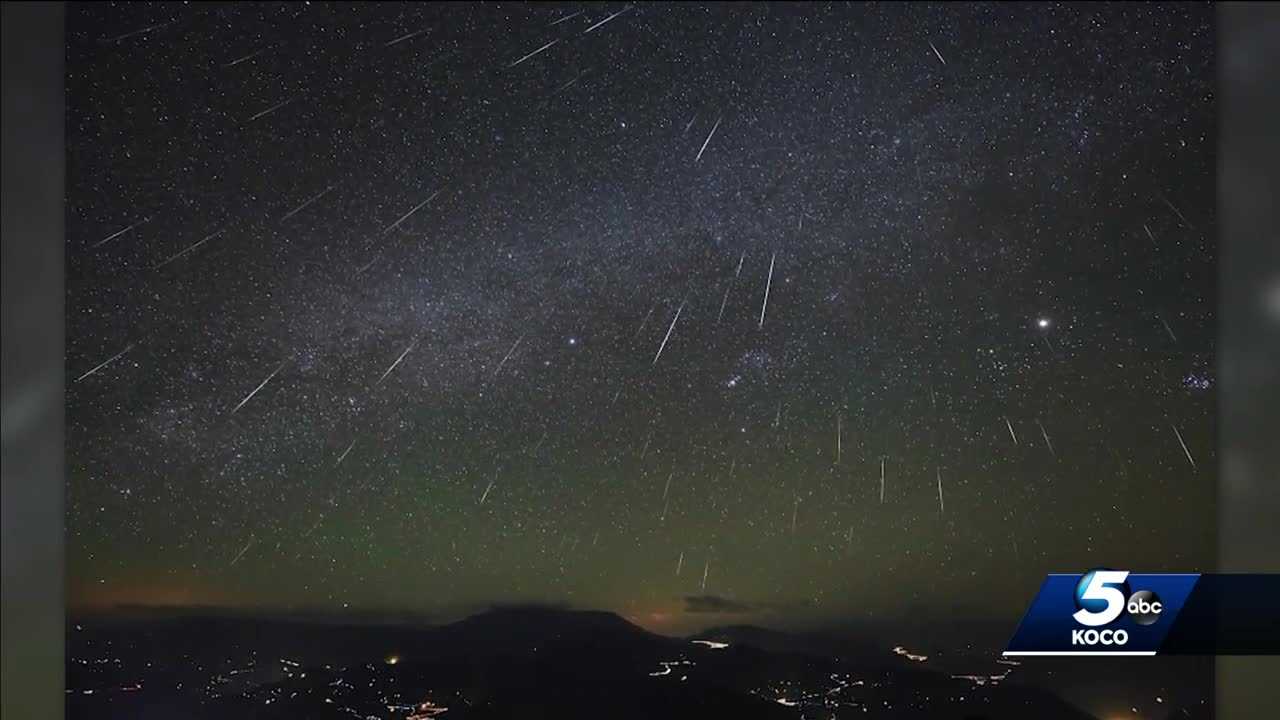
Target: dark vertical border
[[1249, 323], [32, 452]]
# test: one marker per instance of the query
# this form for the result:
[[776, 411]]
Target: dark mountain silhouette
[[527, 662], [514, 630], [843, 646]]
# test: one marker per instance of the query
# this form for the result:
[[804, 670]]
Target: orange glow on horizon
[[100, 596]]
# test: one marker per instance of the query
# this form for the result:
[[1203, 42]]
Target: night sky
[[424, 308]]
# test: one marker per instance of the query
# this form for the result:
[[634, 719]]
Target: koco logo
[[1102, 596]]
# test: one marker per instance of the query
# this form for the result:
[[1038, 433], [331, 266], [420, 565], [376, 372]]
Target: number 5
[[1098, 589]]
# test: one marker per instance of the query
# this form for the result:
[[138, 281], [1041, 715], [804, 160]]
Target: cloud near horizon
[[714, 604]]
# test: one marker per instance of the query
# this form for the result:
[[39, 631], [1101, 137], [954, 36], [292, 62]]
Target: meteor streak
[[261, 385], [768, 284]]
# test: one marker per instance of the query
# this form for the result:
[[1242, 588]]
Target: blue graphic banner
[[1115, 612]]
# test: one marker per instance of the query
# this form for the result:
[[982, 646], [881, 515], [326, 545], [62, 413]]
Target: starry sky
[[774, 313]]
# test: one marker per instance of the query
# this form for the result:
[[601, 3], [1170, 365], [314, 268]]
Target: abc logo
[[1144, 607]]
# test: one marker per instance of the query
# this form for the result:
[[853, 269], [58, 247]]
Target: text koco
[[1099, 637]]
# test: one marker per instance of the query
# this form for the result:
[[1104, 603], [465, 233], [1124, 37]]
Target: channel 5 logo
[[1102, 596], [1101, 612]]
